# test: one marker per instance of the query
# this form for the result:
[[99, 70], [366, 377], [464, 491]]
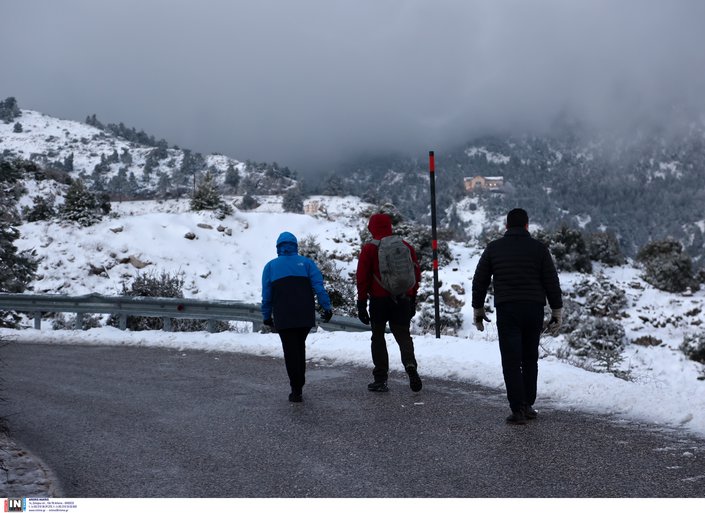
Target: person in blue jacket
[[288, 305]]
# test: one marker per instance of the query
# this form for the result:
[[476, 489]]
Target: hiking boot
[[295, 398], [414, 379], [517, 417], [530, 413], [378, 386]]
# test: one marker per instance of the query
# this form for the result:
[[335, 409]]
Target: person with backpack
[[288, 306], [388, 275], [524, 276]]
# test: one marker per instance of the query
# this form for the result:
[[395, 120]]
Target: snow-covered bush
[[450, 320], [248, 202], [596, 335], [600, 297], [604, 247], [162, 285], [693, 346], [667, 267], [42, 209], [340, 286], [598, 343], [568, 248], [65, 322]]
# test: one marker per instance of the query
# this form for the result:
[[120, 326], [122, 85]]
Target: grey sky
[[304, 82]]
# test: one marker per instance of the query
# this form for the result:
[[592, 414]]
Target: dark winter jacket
[[522, 270], [288, 285], [380, 225]]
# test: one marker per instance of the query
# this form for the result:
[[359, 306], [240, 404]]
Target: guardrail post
[[123, 322], [211, 325], [79, 321], [167, 323], [37, 320]]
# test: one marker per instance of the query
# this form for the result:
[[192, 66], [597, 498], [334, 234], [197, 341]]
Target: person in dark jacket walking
[[288, 305], [384, 308], [524, 276]]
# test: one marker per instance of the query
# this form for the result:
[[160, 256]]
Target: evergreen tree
[[206, 197], [80, 205], [293, 201], [17, 128], [9, 109], [232, 177], [42, 210], [163, 184], [248, 202], [17, 268]]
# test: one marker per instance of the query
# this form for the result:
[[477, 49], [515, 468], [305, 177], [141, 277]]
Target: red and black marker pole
[[432, 169]]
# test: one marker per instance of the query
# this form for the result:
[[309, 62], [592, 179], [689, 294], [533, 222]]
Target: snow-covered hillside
[[79, 148], [222, 258]]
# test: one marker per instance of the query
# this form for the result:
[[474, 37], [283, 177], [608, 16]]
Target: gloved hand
[[362, 312], [326, 315], [412, 307], [554, 324], [268, 322], [479, 316]]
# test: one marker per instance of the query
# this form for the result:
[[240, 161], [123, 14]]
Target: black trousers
[[398, 314], [519, 327], [294, 345]]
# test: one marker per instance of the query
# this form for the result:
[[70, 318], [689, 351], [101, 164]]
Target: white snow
[[664, 389]]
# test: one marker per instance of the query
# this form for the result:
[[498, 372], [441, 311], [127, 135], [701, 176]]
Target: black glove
[[412, 307], [268, 322], [554, 324], [362, 312], [479, 316], [326, 315]]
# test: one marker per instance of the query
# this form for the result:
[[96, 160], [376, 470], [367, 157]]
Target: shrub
[[693, 346], [42, 210], [602, 298], [596, 335], [604, 247], [667, 267], [340, 287], [599, 343], [569, 250], [162, 285], [248, 202]]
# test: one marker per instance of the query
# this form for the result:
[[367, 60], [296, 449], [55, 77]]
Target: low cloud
[[311, 82]]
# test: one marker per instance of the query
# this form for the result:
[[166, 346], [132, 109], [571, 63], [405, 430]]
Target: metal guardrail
[[166, 308]]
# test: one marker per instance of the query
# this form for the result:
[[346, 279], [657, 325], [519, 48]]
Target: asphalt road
[[146, 422]]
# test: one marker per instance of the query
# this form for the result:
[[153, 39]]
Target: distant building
[[490, 183], [312, 207]]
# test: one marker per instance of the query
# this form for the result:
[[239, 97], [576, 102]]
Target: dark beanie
[[517, 218]]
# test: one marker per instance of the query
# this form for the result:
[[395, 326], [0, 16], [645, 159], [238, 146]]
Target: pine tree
[[80, 205], [293, 201], [17, 128], [248, 202], [232, 177], [17, 268], [9, 110], [206, 197]]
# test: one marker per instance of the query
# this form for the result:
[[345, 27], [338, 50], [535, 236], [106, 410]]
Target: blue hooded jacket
[[288, 285]]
